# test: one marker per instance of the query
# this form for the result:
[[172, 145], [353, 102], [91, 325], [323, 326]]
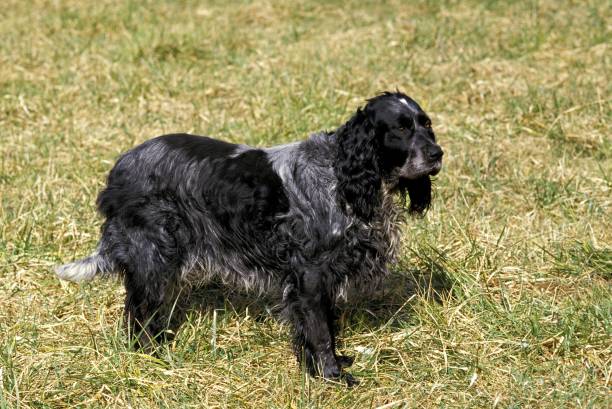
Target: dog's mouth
[[436, 168], [429, 169]]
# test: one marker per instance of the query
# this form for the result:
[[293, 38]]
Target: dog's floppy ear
[[419, 191], [359, 179]]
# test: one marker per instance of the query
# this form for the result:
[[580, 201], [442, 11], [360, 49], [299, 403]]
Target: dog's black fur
[[307, 220]]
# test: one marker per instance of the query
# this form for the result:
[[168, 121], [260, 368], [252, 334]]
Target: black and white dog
[[307, 220]]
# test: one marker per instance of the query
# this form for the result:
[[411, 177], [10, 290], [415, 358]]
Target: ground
[[502, 296]]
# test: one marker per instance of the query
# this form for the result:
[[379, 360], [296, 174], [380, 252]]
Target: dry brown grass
[[517, 245]]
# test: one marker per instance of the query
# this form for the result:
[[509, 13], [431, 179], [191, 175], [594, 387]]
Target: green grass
[[502, 297]]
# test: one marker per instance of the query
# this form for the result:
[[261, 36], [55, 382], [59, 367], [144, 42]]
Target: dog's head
[[390, 141]]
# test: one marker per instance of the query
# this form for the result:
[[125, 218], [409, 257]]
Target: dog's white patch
[[403, 101], [286, 291]]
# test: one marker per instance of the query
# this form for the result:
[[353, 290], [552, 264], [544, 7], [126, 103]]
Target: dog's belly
[[269, 276], [232, 270]]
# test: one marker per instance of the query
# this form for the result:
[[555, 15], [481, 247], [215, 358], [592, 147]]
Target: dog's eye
[[424, 121]]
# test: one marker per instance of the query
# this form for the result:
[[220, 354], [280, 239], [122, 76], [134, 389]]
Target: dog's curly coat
[[306, 219]]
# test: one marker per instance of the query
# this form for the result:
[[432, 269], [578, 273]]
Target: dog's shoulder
[[305, 163], [309, 178]]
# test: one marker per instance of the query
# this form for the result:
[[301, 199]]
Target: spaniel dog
[[306, 220]]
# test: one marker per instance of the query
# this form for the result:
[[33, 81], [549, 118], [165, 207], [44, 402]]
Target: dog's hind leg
[[153, 311], [150, 260]]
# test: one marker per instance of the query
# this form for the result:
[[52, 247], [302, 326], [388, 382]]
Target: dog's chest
[[382, 234]]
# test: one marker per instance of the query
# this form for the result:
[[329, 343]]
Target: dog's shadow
[[391, 302], [387, 303]]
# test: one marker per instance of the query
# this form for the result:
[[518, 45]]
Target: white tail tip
[[81, 270]]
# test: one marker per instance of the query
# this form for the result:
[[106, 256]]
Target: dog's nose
[[435, 153]]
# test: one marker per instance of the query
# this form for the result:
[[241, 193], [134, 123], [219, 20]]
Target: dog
[[306, 220]]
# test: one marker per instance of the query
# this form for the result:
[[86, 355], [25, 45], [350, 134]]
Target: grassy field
[[503, 295]]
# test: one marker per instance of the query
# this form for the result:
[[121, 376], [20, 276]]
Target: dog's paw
[[350, 380], [339, 375], [345, 361], [332, 372]]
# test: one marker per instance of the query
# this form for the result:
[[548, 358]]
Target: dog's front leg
[[310, 307]]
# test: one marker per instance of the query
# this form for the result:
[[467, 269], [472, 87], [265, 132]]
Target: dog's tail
[[85, 269]]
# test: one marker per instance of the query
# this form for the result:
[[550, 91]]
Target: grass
[[502, 297]]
